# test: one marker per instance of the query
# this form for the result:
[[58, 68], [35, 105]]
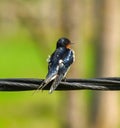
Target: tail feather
[[42, 85], [47, 81], [56, 83]]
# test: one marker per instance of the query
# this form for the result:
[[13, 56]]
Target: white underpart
[[73, 55], [60, 61]]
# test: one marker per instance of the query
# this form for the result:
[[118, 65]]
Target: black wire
[[24, 84]]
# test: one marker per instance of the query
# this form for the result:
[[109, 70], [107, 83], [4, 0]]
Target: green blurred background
[[29, 30]]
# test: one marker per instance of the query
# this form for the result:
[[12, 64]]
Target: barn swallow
[[59, 63]]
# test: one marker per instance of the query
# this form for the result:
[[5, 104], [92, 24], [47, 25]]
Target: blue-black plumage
[[59, 63]]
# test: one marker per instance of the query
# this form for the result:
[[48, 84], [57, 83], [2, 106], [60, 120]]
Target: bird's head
[[63, 42]]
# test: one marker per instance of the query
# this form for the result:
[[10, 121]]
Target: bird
[[59, 63]]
